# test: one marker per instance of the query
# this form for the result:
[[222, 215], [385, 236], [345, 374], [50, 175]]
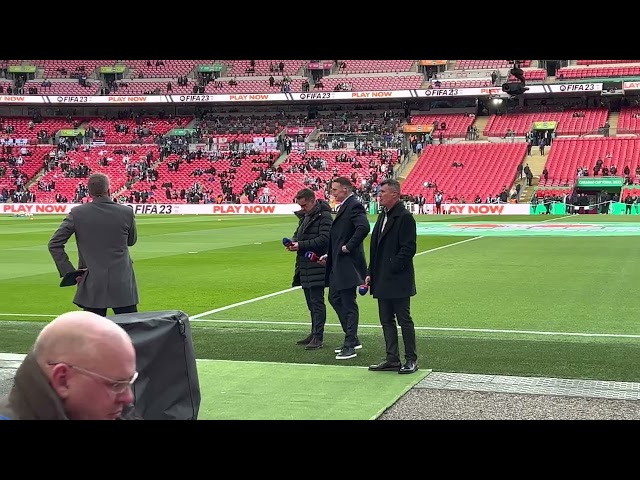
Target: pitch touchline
[[441, 329], [251, 300]]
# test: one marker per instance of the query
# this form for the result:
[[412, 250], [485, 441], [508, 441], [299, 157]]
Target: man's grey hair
[[393, 184]]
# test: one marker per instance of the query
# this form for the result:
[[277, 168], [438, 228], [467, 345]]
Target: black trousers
[[116, 311], [318, 310], [390, 309], [346, 307]]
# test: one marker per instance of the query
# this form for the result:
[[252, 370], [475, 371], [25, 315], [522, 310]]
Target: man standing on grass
[[392, 279], [104, 231], [312, 235], [346, 263]]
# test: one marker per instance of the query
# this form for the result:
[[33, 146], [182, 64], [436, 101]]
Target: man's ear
[[60, 380]]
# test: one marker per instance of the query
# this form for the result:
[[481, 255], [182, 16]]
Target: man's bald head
[[79, 336], [87, 360]]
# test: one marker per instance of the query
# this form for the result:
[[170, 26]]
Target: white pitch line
[[447, 246], [441, 329], [245, 302], [26, 315]]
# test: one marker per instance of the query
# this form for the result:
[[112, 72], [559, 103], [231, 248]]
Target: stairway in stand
[[613, 123], [481, 123]]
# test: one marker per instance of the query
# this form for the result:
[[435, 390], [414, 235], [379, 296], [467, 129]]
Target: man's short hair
[[98, 185], [393, 184], [344, 181], [306, 193]]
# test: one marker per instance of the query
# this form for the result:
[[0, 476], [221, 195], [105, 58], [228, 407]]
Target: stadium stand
[[375, 66], [579, 72], [26, 127], [604, 62], [456, 124], [482, 64], [65, 172], [570, 122], [629, 120], [486, 169], [394, 81], [318, 135], [569, 154]]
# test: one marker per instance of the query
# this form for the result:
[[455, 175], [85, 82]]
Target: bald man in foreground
[[81, 367]]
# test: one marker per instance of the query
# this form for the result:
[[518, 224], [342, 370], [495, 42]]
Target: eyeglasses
[[117, 386]]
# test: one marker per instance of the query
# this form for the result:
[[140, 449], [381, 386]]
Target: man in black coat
[[346, 262], [392, 278], [312, 235]]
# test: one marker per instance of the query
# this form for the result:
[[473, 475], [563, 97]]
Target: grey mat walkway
[[531, 385]]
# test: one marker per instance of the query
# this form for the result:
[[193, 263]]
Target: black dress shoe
[[314, 344], [305, 341], [410, 367], [385, 366]]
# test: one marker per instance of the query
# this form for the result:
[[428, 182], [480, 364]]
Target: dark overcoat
[[391, 255]]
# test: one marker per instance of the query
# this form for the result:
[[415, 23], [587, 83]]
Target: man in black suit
[[392, 278], [312, 235], [346, 262]]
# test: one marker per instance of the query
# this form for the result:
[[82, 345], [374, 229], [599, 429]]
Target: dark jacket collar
[[32, 397], [396, 210], [320, 206], [102, 199]]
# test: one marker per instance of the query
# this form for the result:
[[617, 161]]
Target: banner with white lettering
[[305, 96], [158, 209], [115, 99], [479, 208]]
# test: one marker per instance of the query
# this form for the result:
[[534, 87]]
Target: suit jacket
[[350, 227], [391, 255], [104, 231]]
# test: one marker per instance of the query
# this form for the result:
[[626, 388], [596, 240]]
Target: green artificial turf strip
[[242, 390]]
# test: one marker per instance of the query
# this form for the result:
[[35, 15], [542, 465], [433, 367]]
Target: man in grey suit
[[346, 263], [392, 277], [103, 230]]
